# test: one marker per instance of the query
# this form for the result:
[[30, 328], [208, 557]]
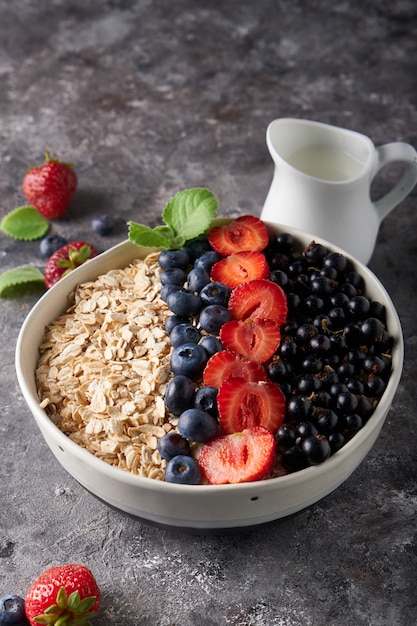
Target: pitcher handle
[[396, 152]]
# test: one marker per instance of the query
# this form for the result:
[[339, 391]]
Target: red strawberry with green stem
[[66, 595], [49, 187], [67, 259], [239, 457]]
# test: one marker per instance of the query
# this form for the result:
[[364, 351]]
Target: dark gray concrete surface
[[146, 98]]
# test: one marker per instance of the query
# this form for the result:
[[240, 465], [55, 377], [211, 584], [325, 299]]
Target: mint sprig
[[187, 215], [19, 280], [24, 223]]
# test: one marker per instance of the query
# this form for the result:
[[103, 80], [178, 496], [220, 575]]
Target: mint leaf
[[148, 237], [17, 281], [187, 215], [189, 212], [25, 223]]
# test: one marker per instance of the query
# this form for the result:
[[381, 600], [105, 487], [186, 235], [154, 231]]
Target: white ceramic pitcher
[[322, 182]]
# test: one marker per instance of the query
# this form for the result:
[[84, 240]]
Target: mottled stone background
[[145, 98]]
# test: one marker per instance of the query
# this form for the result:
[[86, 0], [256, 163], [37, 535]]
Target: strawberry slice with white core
[[245, 404], [255, 339], [244, 233], [260, 300], [225, 364], [238, 458], [240, 267]]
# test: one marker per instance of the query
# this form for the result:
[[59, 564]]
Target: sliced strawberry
[[225, 364], [238, 458], [244, 233], [260, 300], [255, 339], [247, 404], [240, 267]]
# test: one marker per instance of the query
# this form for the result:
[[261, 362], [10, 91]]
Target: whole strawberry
[[66, 594], [66, 259], [49, 187]]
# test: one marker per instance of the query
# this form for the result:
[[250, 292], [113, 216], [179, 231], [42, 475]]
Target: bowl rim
[[126, 249]]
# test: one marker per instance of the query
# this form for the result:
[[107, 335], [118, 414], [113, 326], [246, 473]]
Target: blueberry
[[197, 425], [174, 320], [174, 258], [173, 276], [197, 278], [103, 224], [172, 444], [184, 303], [51, 244], [215, 293], [207, 260], [12, 611], [184, 470], [206, 400], [211, 344], [189, 360], [179, 394], [184, 333], [213, 317], [197, 247], [168, 289]]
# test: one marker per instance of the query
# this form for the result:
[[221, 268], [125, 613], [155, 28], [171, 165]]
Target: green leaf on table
[[25, 223], [20, 280], [187, 215]]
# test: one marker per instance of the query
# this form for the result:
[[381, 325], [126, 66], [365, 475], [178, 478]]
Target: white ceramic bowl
[[195, 507]]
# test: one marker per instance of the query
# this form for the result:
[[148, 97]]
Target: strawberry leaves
[[68, 610], [65, 595], [187, 215]]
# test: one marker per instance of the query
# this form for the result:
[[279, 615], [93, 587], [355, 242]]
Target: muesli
[[104, 365]]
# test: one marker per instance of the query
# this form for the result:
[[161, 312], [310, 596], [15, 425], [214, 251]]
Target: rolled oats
[[104, 365]]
